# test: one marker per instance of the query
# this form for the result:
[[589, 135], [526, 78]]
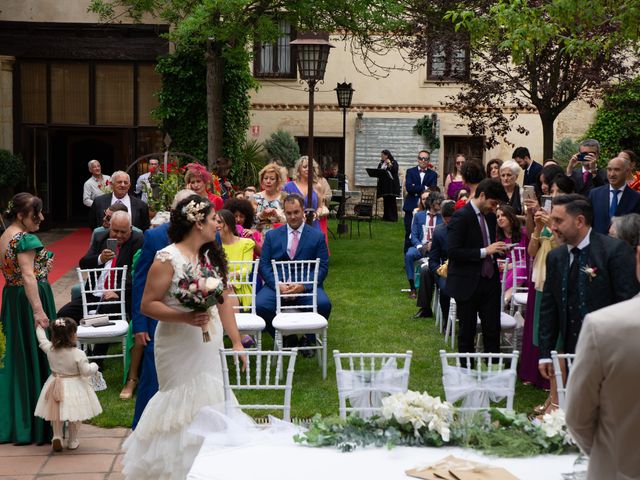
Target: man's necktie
[[487, 263], [294, 244], [585, 177], [614, 204], [110, 281]]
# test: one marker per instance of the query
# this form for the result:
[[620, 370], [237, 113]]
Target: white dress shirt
[[290, 235], [92, 189], [126, 200]]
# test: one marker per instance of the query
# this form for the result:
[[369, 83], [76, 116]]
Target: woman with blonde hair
[[300, 186], [268, 202]]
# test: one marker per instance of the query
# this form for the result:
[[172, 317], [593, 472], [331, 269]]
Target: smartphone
[[546, 202], [529, 192], [582, 157], [112, 244]]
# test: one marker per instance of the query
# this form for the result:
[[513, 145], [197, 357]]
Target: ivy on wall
[[617, 124], [182, 105]]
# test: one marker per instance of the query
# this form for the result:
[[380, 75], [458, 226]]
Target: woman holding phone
[[542, 241]]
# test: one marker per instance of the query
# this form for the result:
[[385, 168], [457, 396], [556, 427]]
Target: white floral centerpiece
[[554, 425], [420, 410]]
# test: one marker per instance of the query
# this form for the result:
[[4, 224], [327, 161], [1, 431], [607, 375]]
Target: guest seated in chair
[[99, 256], [293, 241], [424, 221]]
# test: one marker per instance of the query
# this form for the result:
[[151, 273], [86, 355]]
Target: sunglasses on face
[[424, 159]]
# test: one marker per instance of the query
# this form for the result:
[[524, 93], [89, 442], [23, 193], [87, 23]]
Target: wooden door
[[471, 147]]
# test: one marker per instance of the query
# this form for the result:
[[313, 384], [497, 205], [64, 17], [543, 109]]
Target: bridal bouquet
[[199, 289]]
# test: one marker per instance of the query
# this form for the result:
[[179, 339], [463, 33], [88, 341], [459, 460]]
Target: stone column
[[6, 102]]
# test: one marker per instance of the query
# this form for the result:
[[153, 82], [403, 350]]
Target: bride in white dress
[[189, 370]]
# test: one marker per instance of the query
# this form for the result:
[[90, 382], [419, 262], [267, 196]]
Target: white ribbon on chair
[[365, 389], [460, 383]]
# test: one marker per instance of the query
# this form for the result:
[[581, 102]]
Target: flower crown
[[9, 207], [60, 322], [194, 211]]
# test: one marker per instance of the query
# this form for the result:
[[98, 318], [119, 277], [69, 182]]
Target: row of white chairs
[[290, 319], [473, 380]]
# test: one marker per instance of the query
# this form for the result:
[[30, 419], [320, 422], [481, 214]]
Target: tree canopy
[[531, 56]]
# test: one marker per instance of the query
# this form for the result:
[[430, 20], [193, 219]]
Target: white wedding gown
[[189, 378]]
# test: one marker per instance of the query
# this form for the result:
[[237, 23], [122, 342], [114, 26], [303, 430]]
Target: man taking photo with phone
[[583, 167], [114, 248]]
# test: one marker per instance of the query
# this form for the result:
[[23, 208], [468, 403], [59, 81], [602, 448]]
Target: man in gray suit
[[603, 399]]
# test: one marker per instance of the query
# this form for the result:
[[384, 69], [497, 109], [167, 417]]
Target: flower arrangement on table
[[417, 419], [199, 289]]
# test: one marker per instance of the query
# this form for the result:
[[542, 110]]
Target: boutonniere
[[592, 272]]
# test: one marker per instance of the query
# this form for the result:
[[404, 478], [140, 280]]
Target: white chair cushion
[[299, 321], [249, 321], [507, 321], [520, 298], [118, 330]]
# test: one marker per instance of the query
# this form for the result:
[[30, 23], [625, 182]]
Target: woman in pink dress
[[454, 181]]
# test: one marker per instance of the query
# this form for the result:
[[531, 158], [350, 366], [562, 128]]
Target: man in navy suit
[[615, 199], [588, 176], [277, 246], [417, 180], [473, 278], [531, 169], [144, 327]]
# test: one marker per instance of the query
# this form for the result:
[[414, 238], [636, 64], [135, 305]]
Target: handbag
[[443, 269]]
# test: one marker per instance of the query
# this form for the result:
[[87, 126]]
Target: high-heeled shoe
[[542, 409], [129, 388]]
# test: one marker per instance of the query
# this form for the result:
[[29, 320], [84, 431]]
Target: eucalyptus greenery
[[494, 432]]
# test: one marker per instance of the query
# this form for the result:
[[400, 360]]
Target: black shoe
[[290, 341], [422, 313], [304, 342]]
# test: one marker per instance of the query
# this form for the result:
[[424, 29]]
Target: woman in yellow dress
[[235, 248]]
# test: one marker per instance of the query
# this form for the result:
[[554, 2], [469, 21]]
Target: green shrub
[[283, 146], [12, 169], [248, 164], [617, 124], [565, 149]]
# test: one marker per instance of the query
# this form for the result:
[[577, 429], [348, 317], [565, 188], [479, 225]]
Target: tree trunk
[[215, 82], [547, 119]]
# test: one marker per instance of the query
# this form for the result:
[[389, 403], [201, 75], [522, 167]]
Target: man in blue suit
[[615, 199], [279, 244], [144, 327], [424, 221], [417, 180]]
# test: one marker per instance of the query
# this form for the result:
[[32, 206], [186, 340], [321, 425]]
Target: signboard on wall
[[394, 134]]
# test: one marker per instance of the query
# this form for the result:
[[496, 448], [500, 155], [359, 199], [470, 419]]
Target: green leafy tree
[[617, 124], [530, 55], [227, 27], [281, 145]]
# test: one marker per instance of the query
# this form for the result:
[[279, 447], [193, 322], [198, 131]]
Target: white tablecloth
[[276, 461]]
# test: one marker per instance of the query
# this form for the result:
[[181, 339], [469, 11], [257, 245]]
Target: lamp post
[[345, 95], [312, 54]]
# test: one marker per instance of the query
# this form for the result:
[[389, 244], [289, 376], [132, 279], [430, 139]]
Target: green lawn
[[370, 314]]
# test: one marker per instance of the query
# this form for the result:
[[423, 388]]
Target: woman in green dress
[[27, 301]]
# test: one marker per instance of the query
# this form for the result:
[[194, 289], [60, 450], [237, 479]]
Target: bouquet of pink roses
[[199, 289]]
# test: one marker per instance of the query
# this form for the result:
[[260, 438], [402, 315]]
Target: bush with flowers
[[417, 419], [161, 189]]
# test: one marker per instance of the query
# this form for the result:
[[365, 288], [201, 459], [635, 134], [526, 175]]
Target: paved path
[[100, 451]]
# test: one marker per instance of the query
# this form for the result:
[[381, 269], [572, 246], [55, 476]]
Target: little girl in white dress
[[67, 394]]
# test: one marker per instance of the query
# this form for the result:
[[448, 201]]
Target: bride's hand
[[240, 348], [197, 319]]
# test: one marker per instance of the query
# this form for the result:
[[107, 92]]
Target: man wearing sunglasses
[[417, 180]]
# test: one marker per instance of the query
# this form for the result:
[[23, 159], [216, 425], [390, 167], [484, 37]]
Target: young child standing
[[66, 395]]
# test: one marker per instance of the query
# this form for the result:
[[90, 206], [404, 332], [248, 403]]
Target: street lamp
[[312, 54], [345, 94]]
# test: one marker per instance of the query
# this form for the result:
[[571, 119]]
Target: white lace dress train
[[189, 378]]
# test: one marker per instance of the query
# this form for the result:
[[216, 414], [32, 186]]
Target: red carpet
[[67, 251]]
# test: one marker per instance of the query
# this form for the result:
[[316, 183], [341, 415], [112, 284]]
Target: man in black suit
[[120, 183], [530, 168], [587, 176], [590, 271], [98, 256], [473, 278]]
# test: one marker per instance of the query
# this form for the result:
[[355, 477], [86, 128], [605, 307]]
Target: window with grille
[[276, 60], [448, 59]]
